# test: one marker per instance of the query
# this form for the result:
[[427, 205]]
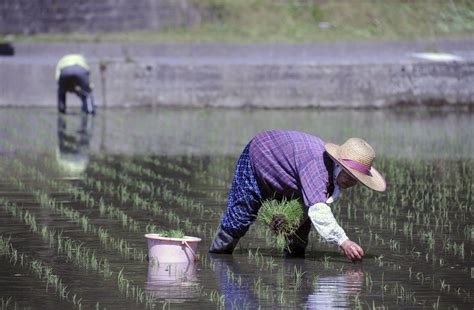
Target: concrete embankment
[[382, 74]]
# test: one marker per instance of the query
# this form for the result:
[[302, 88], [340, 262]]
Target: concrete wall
[[289, 85], [281, 76], [148, 83], [42, 16]]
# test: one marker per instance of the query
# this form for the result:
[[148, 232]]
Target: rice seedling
[[40, 270], [217, 298], [115, 243], [8, 303], [171, 233], [298, 276], [81, 256], [282, 218]]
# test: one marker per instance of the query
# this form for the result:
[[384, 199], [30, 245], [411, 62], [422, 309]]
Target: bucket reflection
[[172, 282]]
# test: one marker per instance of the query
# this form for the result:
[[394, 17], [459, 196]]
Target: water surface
[[98, 184]]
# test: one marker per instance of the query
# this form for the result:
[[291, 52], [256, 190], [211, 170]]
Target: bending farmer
[[291, 164], [72, 74]]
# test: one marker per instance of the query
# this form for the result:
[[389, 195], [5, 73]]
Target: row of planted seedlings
[[394, 260], [209, 172], [435, 227], [73, 249], [434, 222], [38, 269], [121, 245], [124, 196], [82, 220]]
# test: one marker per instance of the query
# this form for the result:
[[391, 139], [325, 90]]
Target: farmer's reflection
[[172, 281], [74, 143], [327, 292], [234, 283]]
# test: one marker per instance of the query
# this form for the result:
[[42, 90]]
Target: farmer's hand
[[352, 250]]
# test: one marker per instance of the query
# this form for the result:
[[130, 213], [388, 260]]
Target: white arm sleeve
[[323, 220]]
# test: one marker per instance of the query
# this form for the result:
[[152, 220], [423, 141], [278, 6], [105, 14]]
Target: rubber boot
[[62, 107], [296, 243], [88, 105], [223, 243]]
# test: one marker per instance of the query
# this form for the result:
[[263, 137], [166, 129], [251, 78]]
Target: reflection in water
[[329, 291], [236, 293], [173, 282], [332, 292], [73, 144]]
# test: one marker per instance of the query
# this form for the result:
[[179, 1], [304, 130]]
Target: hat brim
[[373, 181]]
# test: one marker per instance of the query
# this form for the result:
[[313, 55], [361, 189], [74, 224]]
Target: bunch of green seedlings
[[282, 218], [80, 255], [171, 233]]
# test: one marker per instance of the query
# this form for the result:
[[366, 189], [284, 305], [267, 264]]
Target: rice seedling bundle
[[282, 218]]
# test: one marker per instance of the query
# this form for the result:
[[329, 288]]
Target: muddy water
[[123, 171]]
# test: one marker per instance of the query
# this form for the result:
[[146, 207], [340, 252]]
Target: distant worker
[[72, 74]]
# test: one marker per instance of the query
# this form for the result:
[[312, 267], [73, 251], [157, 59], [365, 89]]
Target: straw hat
[[356, 157]]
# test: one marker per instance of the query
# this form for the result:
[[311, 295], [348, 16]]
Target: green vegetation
[[282, 217], [303, 21], [172, 233]]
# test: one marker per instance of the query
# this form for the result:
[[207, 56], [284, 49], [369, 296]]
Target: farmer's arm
[[314, 185], [323, 220]]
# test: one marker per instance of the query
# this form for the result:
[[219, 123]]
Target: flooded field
[[78, 193]]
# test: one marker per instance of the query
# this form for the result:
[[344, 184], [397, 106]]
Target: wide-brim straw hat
[[356, 157]]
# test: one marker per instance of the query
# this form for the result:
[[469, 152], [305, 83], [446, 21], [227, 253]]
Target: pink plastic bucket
[[172, 250]]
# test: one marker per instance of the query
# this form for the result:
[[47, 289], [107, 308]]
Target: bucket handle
[[192, 252]]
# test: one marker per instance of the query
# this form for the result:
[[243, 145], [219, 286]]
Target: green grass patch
[[303, 21]]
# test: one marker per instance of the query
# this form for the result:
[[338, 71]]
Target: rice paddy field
[[78, 193]]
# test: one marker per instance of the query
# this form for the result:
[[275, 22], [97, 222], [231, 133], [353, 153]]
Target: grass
[[303, 21]]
